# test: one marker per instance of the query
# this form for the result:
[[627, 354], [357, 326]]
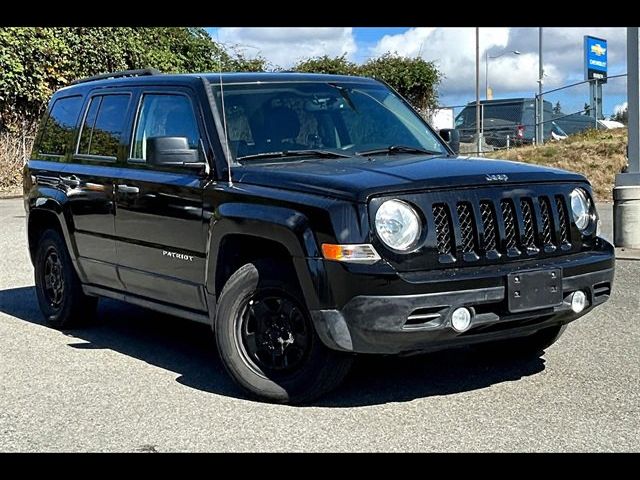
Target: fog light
[[461, 319], [578, 301]]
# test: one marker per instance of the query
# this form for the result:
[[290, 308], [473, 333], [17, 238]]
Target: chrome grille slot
[[545, 211], [509, 218], [563, 219], [489, 226], [465, 217], [444, 231], [528, 238]]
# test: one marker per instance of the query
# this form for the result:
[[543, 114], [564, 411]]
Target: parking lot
[[140, 381]]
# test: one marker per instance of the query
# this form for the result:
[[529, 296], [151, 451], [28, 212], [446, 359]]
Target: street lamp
[[486, 66]]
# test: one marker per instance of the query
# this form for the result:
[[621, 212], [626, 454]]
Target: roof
[[502, 100], [227, 78]]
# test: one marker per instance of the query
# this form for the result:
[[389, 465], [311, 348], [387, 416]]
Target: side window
[[58, 128], [164, 115], [103, 125]]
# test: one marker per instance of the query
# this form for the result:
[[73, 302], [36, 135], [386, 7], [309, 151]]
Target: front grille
[[486, 228]]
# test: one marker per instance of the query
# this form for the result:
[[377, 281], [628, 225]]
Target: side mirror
[[452, 137], [172, 152]]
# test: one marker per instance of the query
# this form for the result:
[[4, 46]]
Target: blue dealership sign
[[595, 58]]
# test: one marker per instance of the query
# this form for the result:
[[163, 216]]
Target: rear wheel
[[58, 287], [266, 339]]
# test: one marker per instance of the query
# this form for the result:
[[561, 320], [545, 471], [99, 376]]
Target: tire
[[60, 297], [530, 345], [298, 372]]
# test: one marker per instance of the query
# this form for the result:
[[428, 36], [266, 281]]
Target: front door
[[160, 232]]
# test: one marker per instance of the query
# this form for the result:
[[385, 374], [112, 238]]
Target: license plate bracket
[[534, 290]]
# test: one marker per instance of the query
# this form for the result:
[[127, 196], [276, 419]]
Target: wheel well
[[39, 221], [238, 250]]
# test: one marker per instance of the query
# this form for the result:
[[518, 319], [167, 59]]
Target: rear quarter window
[[57, 130]]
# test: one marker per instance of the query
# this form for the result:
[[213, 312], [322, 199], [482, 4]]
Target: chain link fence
[[513, 122]]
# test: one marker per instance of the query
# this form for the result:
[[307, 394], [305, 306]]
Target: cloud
[[285, 46], [453, 50], [621, 107]]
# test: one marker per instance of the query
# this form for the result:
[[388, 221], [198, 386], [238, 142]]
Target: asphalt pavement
[[140, 381]]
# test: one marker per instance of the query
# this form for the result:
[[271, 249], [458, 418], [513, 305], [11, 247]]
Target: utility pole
[[478, 135], [487, 57], [626, 193], [486, 74], [540, 131]]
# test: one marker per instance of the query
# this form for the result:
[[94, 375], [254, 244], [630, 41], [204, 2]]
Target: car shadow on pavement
[[188, 349]]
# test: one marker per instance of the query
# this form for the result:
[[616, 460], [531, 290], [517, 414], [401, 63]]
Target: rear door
[[161, 235], [98, 148]]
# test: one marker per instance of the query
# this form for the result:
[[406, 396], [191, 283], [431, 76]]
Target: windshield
[[344, 118]]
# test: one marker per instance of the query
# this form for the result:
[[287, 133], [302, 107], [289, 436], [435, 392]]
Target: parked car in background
[[575, 122], [515, 118], [610, 124]]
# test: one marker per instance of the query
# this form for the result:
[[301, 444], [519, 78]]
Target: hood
[[359, 178]]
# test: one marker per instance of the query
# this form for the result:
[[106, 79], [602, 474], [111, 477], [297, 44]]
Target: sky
[[452, 49]]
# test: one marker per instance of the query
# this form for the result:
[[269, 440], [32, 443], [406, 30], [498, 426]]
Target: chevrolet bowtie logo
[[598, 49]]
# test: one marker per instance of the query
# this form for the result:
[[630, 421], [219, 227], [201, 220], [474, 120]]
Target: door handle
[[128, 189]]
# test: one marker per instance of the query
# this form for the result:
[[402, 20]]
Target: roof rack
[[121, 74]]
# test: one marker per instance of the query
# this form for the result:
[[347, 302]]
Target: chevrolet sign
[[595, 58]]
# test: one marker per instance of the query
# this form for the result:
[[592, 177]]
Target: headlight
[[398, 225], [580, 208]]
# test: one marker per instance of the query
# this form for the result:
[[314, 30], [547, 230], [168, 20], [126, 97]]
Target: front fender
[[285, 226]]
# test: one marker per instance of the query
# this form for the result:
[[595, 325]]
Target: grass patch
[[597, 154]]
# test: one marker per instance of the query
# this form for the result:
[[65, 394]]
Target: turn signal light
[[362, 253]]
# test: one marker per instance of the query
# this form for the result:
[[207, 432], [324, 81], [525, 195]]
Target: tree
[[557, 109], [621, 115], [325, 64], [414, 78], [36, 61]]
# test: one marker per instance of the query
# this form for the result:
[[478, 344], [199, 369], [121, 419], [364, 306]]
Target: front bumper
[[418, 322]]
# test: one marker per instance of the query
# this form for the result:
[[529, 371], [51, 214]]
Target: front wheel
[[266, 339]]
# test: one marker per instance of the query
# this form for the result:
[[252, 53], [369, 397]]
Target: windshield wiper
[[398, 149], [294, 153]]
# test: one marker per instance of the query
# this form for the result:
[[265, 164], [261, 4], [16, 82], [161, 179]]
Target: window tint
[[58, 128], [164, 115], [103, 125]]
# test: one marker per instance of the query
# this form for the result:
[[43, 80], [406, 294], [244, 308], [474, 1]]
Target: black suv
[[305, 218], [515, 118]]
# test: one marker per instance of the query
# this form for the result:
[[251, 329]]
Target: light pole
[[487, 57], [540, 127], [478, 134]]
